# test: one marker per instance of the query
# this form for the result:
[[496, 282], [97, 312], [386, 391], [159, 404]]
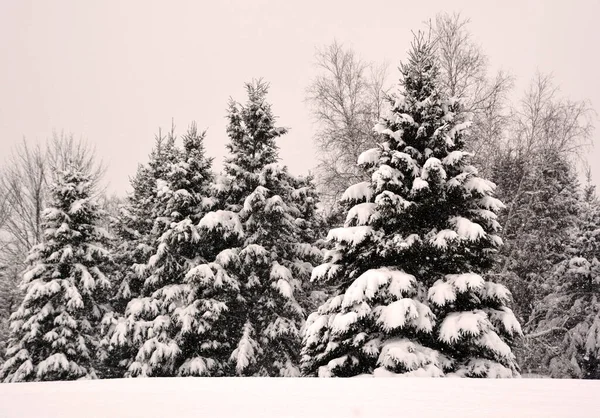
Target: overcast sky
[[112, 72]]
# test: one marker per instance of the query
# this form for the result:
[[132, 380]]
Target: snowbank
[[308, 397]]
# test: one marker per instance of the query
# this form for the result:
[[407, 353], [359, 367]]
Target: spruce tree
[[54, 331], [272, 259], [408, 265], [538, 225], [133, 245], [151, 326], [135, 239], [543, 213], [312, 228], [566, 322], [252, 146]]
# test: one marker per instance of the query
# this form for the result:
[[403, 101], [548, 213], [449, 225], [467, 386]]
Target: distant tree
[[346, 99], [565, 324], [110, 205], [464, 67], [541, 223], [24, 185], [546, 121], [54, 331], [465, 74], [408, 264], [9, 293], [536, 179], [10, 298]]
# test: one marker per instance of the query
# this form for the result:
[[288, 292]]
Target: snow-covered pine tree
[[538, 224], [408, 264], [542, 214], [313, 227], [566, 323], [152, 324], [10, 298], [135, 225], [134, 242], [272, 259], [54, 331], [251, 147]]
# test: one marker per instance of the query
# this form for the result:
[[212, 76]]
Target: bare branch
[[28, 171], [346, 100], [464, 74], [546, 332]]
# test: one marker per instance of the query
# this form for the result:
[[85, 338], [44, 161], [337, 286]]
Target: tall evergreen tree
[[312, 228], [136, 239], [54, 331], [272, 259], [133, 245], [566, 322], [252, 145], [543, 213], [151, 325], [408, 264], [538, 225]]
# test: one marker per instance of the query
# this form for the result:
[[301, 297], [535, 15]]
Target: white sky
[[112, 72]]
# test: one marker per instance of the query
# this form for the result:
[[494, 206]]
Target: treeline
[[198, 273]]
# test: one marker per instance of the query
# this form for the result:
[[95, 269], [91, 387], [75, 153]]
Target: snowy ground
[[254, 397]]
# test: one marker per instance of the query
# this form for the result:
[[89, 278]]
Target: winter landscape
[[436, 217]]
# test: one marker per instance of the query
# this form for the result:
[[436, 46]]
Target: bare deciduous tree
[[23, 184], [4, 209], [464, 67], [544, 121], [24, 181], [346, 100], [465, 74], [110, 206]]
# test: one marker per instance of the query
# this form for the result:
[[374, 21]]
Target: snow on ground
[[264, 397]]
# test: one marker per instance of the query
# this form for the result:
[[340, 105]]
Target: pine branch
[[545, 332]]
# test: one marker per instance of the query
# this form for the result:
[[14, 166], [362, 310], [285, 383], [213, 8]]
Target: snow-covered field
[[257, 397]]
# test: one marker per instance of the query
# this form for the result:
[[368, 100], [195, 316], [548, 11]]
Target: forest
[[450, 228]]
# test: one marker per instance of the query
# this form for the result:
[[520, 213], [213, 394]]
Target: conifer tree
[[151, 326], [54, 331], [537, 225], [566, 323], [252, 145], [409, 263], [312, 228], [272, 259], [134, 243], [10, 299]]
